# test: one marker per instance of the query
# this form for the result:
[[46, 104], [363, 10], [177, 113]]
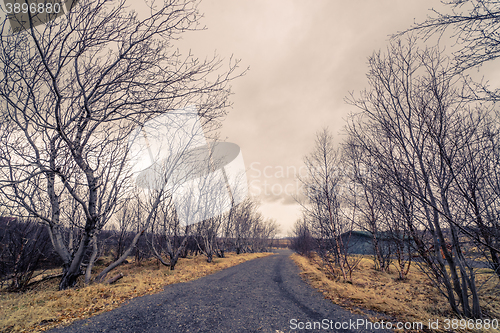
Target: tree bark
[[95, 250], [114, 278], [120, 260]]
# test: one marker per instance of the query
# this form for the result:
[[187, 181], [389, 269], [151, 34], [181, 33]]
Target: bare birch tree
[[324, 184], [364, 199], [72, 91], [168, 238], [417, 125], [474, 24]]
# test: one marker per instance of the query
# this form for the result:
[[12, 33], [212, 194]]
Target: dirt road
[[262, 295]]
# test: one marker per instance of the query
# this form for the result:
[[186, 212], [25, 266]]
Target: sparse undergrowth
[[411, 300], [45, 307]]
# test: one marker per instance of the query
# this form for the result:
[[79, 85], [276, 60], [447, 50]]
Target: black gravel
[[261, 295]]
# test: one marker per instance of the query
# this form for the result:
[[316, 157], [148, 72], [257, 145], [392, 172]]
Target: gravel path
[[261, 295]]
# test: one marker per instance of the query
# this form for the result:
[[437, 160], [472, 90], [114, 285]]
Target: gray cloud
[[304, 58]]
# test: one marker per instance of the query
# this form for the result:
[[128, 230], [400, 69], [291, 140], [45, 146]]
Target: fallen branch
[[114, 278]]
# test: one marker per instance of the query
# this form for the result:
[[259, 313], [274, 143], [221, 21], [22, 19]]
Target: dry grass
[[412, 300], [45, 307]]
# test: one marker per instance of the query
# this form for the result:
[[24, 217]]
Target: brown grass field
[[45, 307], [412, 300]]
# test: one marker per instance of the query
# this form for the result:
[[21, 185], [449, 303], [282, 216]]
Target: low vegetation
[[414, 299], [45, 307]]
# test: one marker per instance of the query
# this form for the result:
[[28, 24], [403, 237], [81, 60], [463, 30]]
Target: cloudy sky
[[304, 58]]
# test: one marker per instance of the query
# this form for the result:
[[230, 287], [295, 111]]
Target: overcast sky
[[304, 58]]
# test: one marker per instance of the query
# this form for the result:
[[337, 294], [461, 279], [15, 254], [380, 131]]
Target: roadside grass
[[45, 307], [412, 300]]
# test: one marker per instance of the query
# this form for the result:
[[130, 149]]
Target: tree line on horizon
[[26, 252]]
